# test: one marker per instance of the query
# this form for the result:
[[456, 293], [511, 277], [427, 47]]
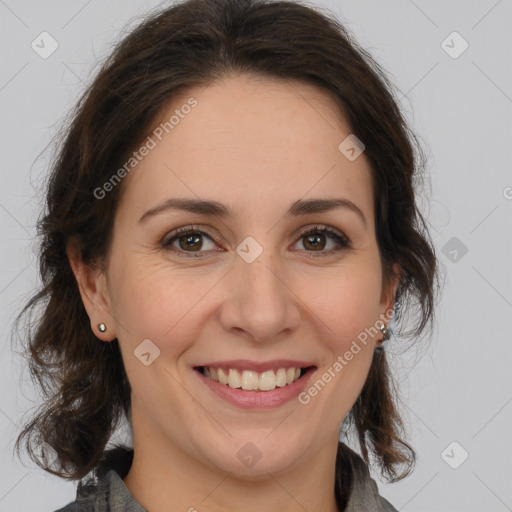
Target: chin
[[253, 457]]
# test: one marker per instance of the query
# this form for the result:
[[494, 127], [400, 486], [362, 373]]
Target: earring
[[385, 333], [102, 327]]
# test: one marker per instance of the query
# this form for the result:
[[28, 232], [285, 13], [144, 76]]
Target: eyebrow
[[216, 209]]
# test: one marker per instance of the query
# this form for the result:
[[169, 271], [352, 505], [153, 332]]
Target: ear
[[92, 283], [389, 291]]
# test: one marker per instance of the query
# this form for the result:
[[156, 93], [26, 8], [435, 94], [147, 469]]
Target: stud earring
[[385, 333], [102, 327]]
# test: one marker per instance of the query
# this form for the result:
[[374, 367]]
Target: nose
[[259, 303]]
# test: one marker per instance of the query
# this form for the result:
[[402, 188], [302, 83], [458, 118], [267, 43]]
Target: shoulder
[[364, 493], [92, 496], [103, 490]]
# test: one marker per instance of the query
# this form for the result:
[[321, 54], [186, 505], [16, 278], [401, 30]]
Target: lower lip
[[258, 399]]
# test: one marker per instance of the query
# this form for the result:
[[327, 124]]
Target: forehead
[[249, 141]]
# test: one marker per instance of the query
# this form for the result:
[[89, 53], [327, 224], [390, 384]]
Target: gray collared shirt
[[106, 492]]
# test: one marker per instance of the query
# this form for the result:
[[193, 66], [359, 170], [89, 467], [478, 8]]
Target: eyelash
[[191, 230]]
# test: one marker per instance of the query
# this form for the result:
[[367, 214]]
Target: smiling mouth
[[249, 380]]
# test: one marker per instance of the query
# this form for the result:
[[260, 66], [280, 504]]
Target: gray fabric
[[365, 497], [108, 492]]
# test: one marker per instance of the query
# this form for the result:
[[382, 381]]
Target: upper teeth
[[251, 380]]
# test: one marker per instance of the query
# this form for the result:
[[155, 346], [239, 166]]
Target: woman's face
[[250, 292]]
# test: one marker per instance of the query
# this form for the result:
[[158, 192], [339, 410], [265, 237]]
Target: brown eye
[[315, 240], [189, 240]]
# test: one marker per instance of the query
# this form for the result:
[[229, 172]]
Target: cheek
[[155, 302], [167, 305], [349, 303], [349, 310]]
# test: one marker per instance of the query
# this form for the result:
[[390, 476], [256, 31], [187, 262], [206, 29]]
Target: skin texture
[[256, 145]]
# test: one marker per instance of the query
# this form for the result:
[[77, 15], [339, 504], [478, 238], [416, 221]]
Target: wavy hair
[[193, 43]]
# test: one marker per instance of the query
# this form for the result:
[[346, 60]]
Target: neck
[[165, 478]]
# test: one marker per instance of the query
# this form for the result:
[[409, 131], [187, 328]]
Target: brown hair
[[189, 44]]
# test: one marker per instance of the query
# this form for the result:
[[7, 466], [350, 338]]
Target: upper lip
[[257, 366]]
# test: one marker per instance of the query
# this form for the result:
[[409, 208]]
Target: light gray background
[[460, 388]]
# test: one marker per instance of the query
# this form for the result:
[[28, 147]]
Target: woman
[[230, 223]]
